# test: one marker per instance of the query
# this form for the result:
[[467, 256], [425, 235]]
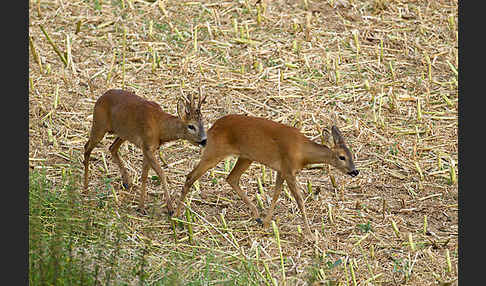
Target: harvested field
[[387, 69]]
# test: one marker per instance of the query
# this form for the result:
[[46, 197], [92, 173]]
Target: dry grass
[[387, 68]]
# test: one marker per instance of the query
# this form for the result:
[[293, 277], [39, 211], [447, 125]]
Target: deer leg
[[143, 191], [234, 180], [114, 154], [278, 188], [148, 154], [205, 164], [95, 137], [300, 203]]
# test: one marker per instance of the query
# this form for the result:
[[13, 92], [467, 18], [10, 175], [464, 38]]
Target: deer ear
[[326, 138], [336, 136], [181, 109]]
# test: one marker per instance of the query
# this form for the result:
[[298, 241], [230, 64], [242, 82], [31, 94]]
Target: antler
[[183, 95], [191, 109], [191, 103], [201, 101]]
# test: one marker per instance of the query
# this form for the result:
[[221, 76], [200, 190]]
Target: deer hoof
[[142, 211], [259, 221], [170, 213], [126, 186]]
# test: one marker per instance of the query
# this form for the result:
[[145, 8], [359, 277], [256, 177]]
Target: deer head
[[190, 114], [341, 158]]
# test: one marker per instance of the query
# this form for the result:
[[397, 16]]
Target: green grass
[[74, 242], [392, 83], [52, 237]]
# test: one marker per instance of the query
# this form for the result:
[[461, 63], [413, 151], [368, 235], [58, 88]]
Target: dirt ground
[[388, 69]]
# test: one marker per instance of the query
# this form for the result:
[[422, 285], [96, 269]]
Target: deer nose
[[353, 173], [203, 142]]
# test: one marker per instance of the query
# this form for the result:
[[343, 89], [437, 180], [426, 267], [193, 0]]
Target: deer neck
[[314, 153], [171, 128]]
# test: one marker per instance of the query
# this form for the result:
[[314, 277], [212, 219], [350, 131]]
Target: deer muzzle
[[353, 173], [203, 142]]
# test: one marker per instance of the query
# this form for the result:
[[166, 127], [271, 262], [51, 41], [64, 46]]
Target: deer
[[275, 145], [144, 124]]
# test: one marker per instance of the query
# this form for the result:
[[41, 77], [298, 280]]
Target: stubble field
[[387, 69]]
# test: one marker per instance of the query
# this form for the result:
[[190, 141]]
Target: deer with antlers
[[143, 123], [280, 147]]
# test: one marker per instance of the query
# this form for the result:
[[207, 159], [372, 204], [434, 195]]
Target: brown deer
[[280, 147], [144, 124]]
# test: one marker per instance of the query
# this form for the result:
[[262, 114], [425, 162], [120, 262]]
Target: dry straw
[[388, 68]]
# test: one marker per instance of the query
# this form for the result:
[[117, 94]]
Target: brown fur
[[144, 124], [275, 145]]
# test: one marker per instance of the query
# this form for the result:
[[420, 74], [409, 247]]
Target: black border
[[470, 149], [15, 140], [15, 54]]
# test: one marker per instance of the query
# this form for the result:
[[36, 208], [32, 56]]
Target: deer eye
[[191, 127], [342, 158]]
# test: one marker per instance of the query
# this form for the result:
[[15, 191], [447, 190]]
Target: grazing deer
[[144, 124], [280, 147]]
